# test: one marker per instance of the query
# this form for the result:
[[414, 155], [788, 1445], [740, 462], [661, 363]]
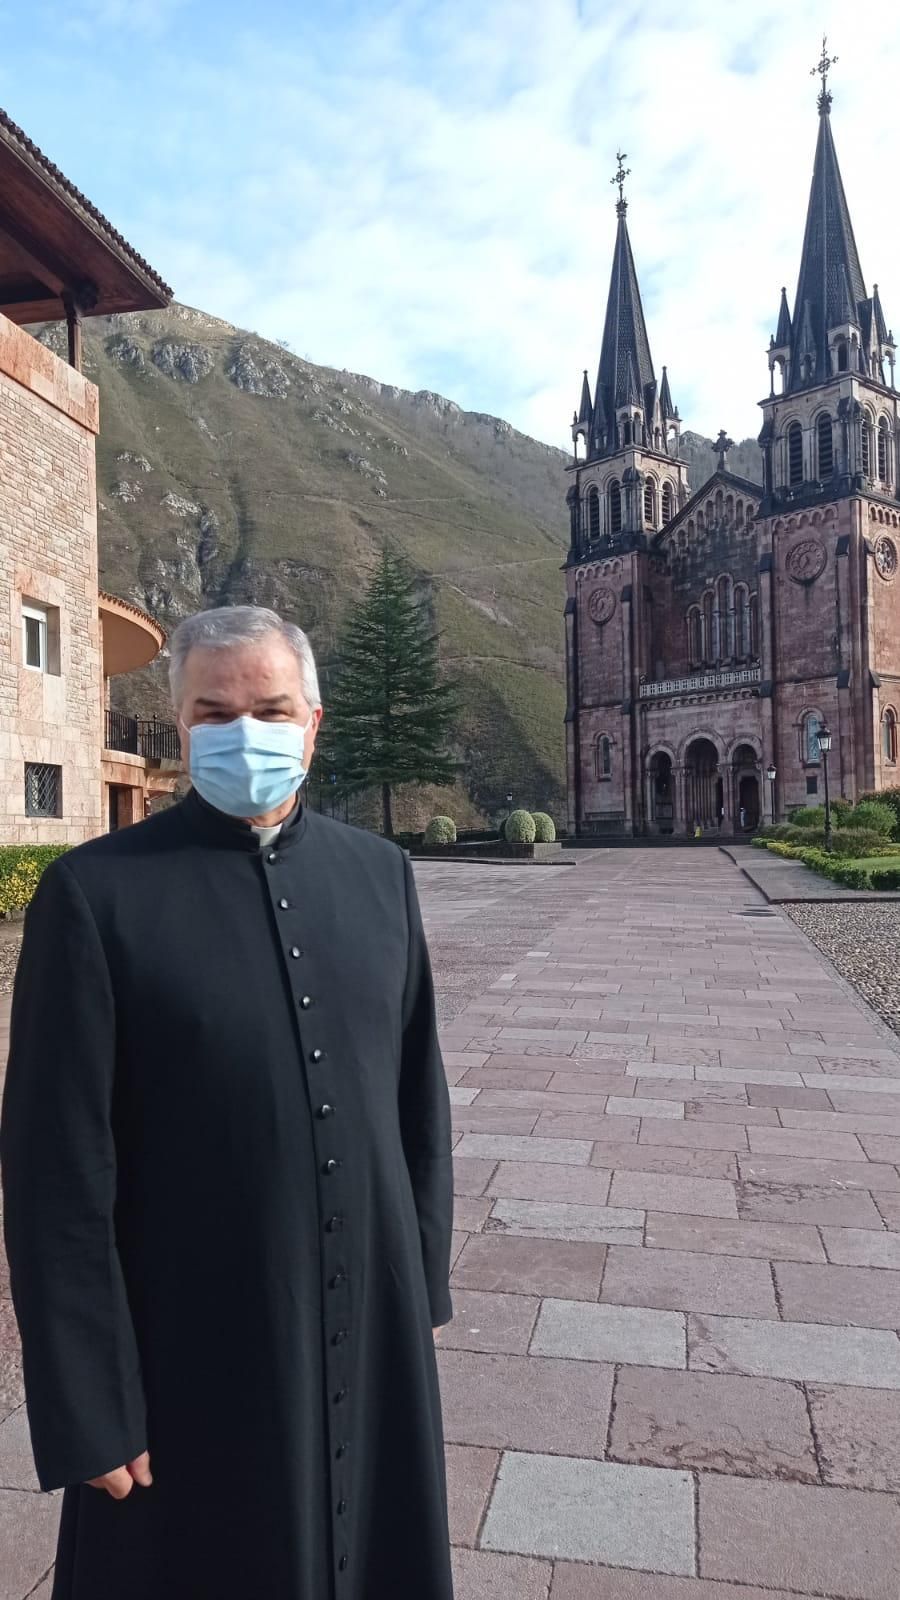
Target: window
[[889, 737], [593, 500], [754, 626], [826, 446], [604, 756], [615, 507], [812, 785], [842, 359], [695, 637], [883, 450], [810, 752], [43, 790], [741, 622], [650, 502], [40, 636], [866, 447], [708, 635], [668, 503], [795, 454]]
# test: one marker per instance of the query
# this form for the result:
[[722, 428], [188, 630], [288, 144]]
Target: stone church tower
[[711, 634]]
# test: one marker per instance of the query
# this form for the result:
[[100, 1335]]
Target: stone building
[[710, 633], [69, 767]]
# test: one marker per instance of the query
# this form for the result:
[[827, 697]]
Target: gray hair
[[239, 625]]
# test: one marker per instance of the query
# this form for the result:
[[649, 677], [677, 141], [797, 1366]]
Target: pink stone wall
[[48, 554]]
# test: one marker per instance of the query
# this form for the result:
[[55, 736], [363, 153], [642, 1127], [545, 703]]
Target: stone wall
[[48, 554]]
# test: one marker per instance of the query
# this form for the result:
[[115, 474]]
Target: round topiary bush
[[807, 816], [873, 814], [520, 828], [544, 828], [441, 830]]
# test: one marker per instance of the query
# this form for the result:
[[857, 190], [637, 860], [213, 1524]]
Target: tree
[[389, 713]]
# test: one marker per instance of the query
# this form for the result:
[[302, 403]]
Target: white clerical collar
[[267, 835]]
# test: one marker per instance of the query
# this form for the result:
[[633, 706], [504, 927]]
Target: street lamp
[[771, 774], [825, 746]]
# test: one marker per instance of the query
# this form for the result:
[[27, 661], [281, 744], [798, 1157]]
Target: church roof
[[721, 478], [831, 289], [626, 366]]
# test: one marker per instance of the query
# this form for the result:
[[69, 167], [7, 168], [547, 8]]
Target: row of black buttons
[[334, 1224]]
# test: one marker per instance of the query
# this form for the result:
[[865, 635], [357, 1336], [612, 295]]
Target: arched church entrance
[[662, 793], [746, 790], [704, 790]]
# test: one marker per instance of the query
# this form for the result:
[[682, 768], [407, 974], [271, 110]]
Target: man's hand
[[121, 1480]]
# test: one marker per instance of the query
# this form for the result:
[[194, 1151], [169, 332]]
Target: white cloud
[[425, 195]]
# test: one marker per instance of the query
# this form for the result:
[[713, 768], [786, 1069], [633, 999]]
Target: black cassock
[[226, 1149]]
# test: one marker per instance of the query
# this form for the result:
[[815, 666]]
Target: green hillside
[[230, 470]]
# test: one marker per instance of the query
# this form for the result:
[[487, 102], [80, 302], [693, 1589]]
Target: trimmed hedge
[[520, 828], [850, 874], [544, 828], [886, 797], [846, 842], [21, 866], [807, 817], [440, 830]]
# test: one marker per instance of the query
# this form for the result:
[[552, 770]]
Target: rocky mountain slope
[[230, 470]]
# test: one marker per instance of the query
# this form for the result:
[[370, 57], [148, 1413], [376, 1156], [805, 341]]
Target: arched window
[[708, 634], [720, 502], [695, 637], [809, 751], [741, 621], [795, 454], [604, 756], [754, 626], [883, 450], [843, 361], [826, 446], [725, 613], [739, 512], [650, 503], [709, 513], [866, 447], [593, 500], [889, 737], [615, 506], [668, 503]]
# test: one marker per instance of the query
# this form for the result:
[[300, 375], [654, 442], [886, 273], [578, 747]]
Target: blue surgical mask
[[247, 768]]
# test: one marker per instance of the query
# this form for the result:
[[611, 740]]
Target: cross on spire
[[821, 69], [722, 446], [622, 173]]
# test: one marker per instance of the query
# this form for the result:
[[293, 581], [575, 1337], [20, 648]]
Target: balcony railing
[[697, 682], [147, 737]]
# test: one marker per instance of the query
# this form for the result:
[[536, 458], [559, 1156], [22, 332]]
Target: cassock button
[[272, 856], [331, 1165], [296, 952], [342, 1564], [341, 1395], [316, 1055], [341, 1507], [342, 1449], [338, 1279], [306, 1001], [284, 904], [340, 1336], [326, 1110], [334, 1224]]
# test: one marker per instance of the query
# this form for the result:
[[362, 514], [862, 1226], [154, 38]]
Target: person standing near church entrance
[[226, 1156]]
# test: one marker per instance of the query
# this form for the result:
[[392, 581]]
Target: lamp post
[[825, 747], [771, 774]]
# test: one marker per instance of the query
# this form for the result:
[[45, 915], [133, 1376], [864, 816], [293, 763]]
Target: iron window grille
[[43, 789]]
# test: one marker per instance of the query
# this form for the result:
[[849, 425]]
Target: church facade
[[711, 632]]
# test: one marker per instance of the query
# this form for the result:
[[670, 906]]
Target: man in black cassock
[[226, 1156]]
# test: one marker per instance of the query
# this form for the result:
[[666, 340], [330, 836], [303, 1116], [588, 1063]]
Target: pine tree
[[389, 714]]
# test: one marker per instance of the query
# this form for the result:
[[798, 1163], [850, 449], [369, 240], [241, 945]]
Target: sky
[[420, 189]]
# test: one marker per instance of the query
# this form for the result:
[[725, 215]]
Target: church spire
[[625, 377], [831, 304]]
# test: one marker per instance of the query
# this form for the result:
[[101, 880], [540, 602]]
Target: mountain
[[230, 470]]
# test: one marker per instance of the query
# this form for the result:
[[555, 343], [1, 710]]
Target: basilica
[[713, 632]]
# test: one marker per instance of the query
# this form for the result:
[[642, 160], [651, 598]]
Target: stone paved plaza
[[674, 1370]]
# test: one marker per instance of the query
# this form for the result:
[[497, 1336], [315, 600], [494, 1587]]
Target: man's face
[[253, 680]]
